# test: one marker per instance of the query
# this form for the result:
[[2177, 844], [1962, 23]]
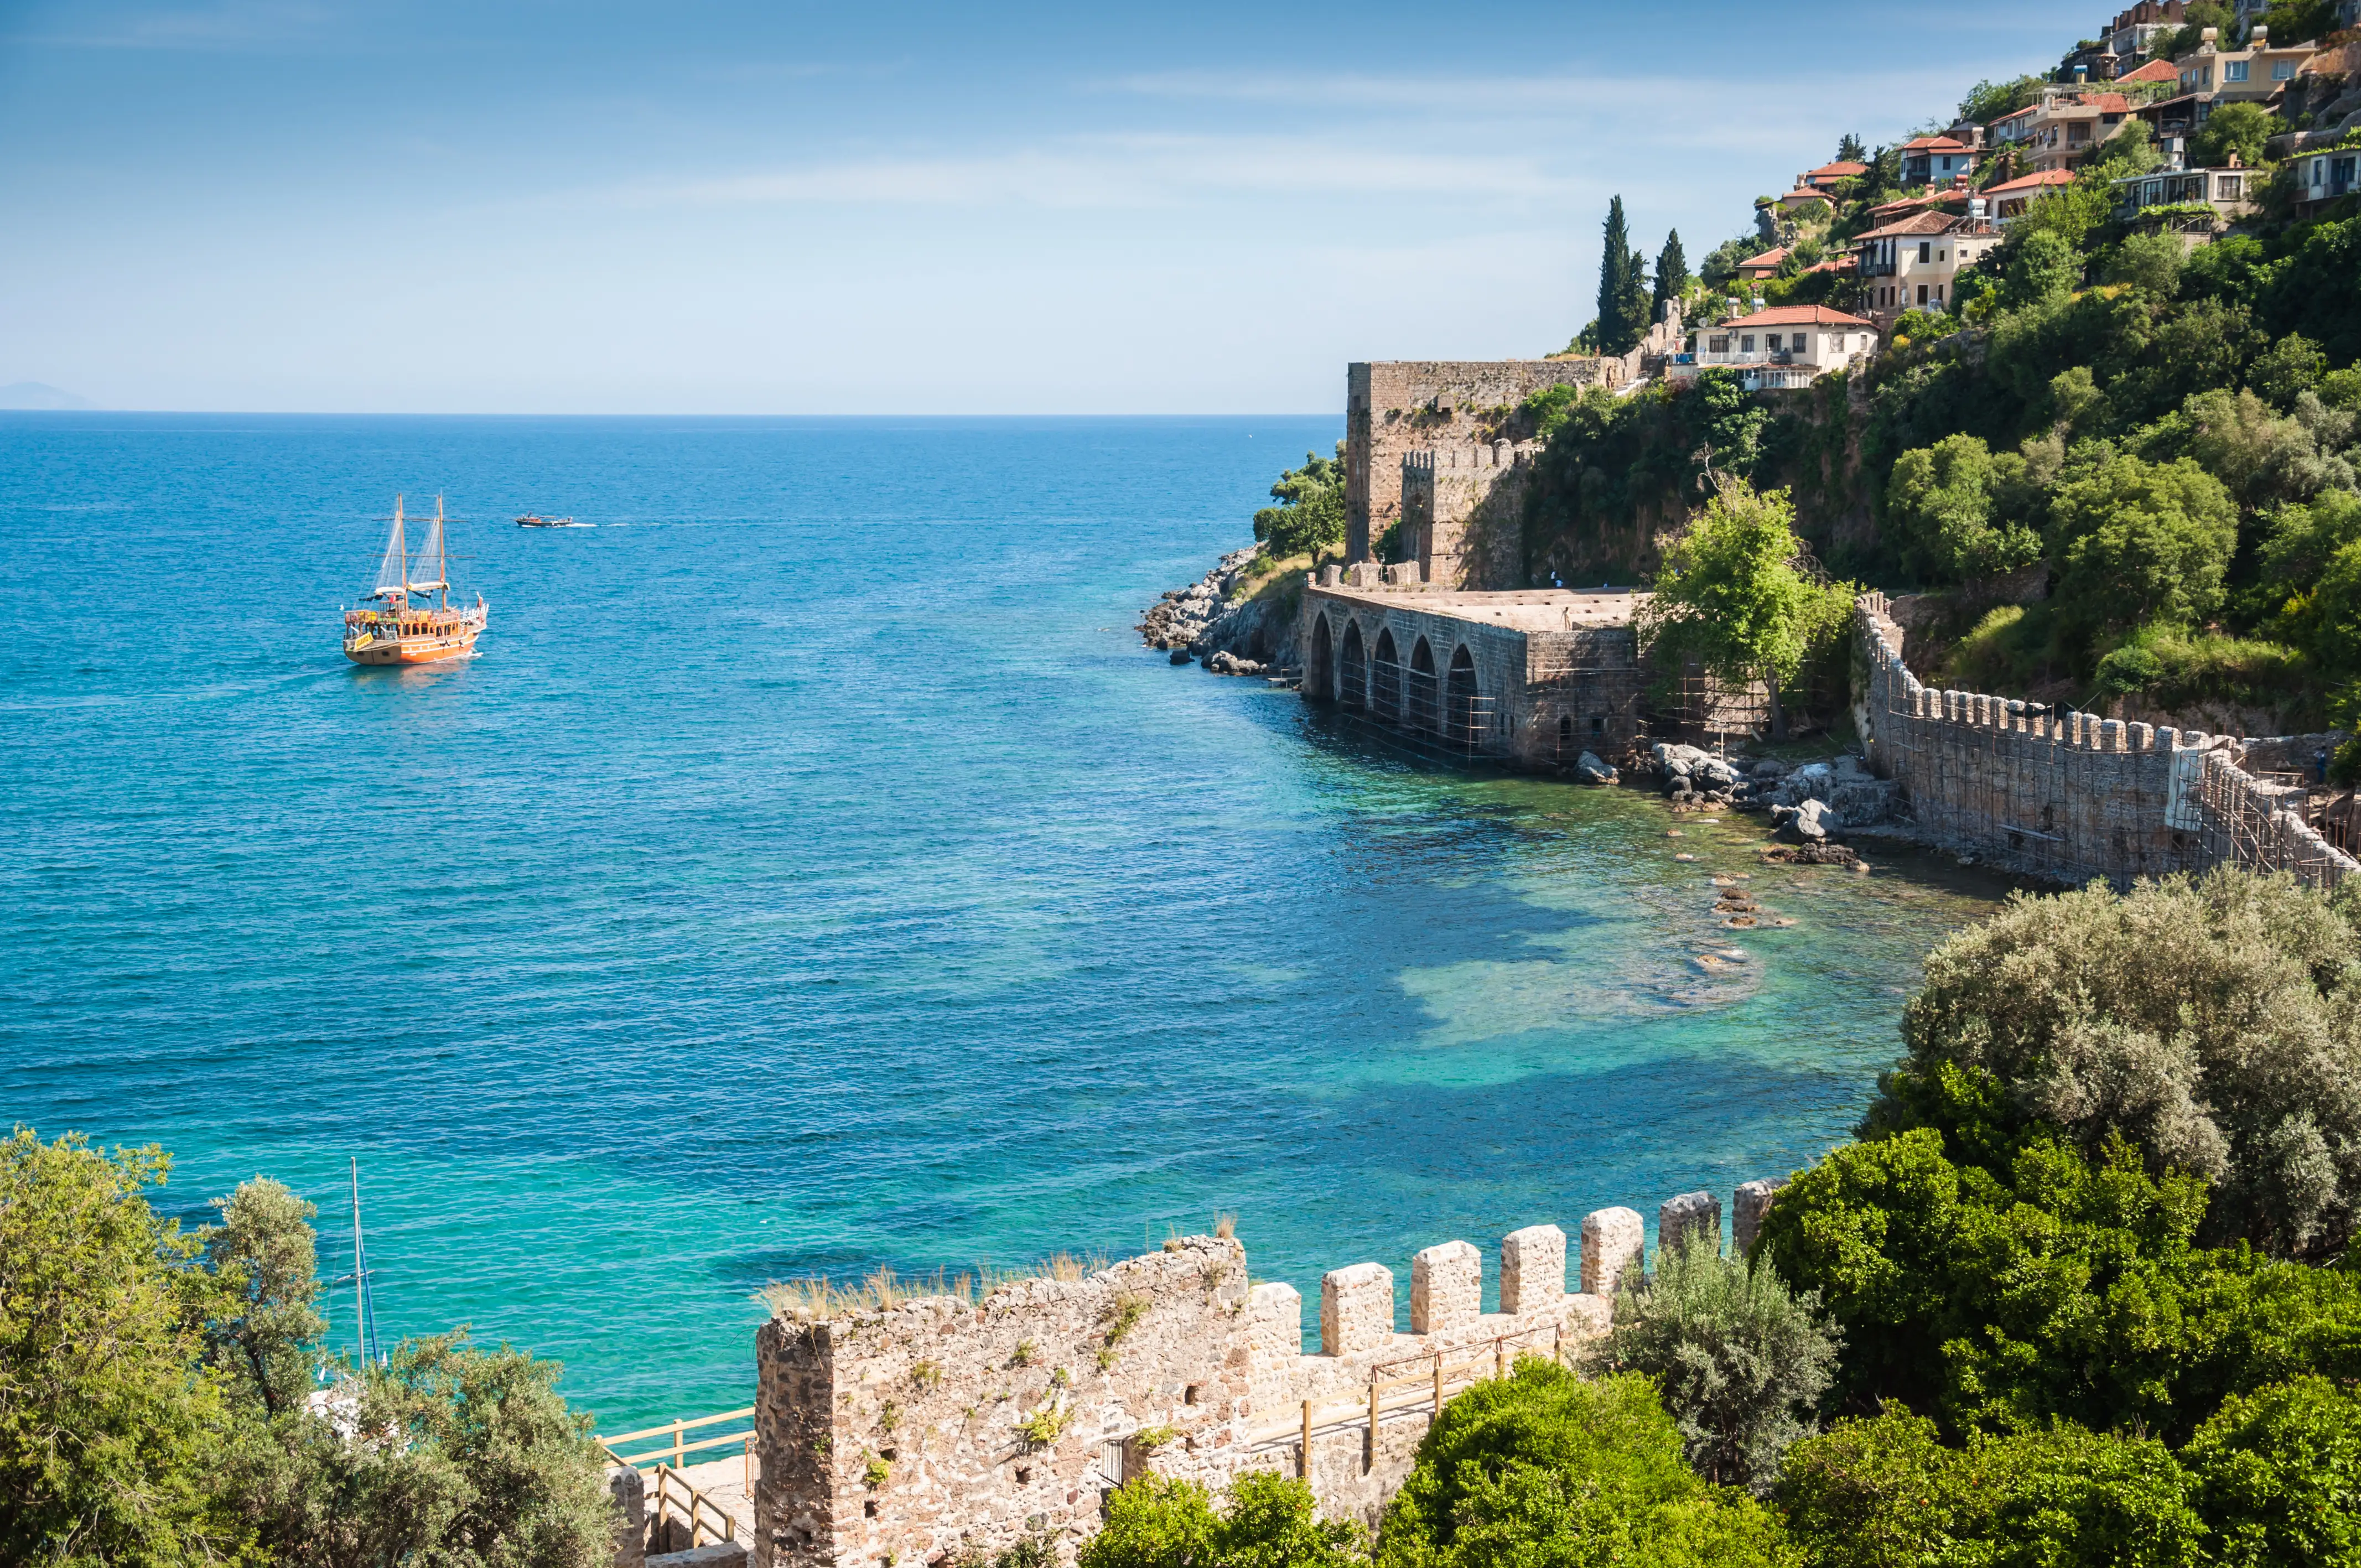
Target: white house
[[1788, 345]]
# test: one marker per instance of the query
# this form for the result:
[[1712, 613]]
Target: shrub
[[1544, 1467], [1885, 1494], [1739, 1361], [2281, 1471], [2214, 1024], [1152, 1522]]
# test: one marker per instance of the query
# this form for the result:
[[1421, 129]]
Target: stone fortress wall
[[917, 1433], [1395, 408], [2070, 795]]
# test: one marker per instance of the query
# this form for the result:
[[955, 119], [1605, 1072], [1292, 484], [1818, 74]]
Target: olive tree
[[1741, 1362]]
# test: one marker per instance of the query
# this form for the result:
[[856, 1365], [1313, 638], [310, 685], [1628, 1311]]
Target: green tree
[[1672, 274], [1271, 1522], [2149, 262], [2040, 269], [1309, 516], [111, 1432], [2215, 1024], [263, 1336], [2290, 367], [2280, 1475], [1951, 506], [1884, 1493], [1851, 150], [1740, 1361], [1545, 1467], [2233, 130], [2141, 542], [1622, 287], [490, 1468], [1988, 101], [1733, 596]]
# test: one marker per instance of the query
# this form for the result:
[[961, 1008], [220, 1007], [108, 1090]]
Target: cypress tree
[[1851, 150], [1617, 280], [1672, 273]]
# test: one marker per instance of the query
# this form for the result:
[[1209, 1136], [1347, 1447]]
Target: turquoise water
[[812, 874]]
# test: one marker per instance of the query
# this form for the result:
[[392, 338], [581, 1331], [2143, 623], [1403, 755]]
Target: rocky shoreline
[[1202, 623]]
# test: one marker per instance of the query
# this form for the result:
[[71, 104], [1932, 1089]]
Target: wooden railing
[[675, 1447], [1436, 1380], [672, 1491]]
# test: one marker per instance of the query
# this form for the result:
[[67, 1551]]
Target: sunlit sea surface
[[812, 874]]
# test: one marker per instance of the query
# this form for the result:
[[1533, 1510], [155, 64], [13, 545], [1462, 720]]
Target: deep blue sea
[[812, 874]]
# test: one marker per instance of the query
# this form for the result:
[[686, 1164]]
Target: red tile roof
[[1908, 203], [1768, 258], [2153, 71], [1796, 315], [1846, 263], [2030, 182], [1840, 169], [1933, 144], [1923, 223]]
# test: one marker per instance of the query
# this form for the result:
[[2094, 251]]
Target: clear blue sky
[[887, 207]]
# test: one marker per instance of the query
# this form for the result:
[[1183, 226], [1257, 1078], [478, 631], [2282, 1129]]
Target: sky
[[885, 207]]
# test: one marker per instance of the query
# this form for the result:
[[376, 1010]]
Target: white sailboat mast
[[393, 568]]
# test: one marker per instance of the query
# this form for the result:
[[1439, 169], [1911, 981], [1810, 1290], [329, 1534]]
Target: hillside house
[[2227, 191], [1915, 262], [2012, 197], [2064, 128], [1756, 267], [1802, 198], [1781, 348], [1830, 174], [2212, 76], [2132, 31], [2328, 175], [1936, 160]]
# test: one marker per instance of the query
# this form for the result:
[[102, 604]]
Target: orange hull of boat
[[423, 650]]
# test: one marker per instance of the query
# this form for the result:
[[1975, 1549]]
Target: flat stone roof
[[1519, 609]]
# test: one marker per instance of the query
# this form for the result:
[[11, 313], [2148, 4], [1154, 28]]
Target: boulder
[[1179, 655], [1591, 771], [1810, 782], [1807, 823]]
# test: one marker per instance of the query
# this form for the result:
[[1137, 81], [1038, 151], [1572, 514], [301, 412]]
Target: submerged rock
[[1591, 771]]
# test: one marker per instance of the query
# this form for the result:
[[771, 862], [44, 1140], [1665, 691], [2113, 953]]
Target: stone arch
[[1353, 668], [1315, 667], [1463, 701], [1386, 678], [1420, 709]]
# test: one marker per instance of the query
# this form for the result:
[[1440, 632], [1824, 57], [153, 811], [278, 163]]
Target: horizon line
[[466, 414]]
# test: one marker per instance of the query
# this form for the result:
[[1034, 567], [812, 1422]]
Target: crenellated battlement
[[2071, 794], [910, 1429]]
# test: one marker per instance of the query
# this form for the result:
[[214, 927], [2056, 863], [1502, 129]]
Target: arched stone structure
[[1386, 679], [1463, 704], [1353, 668], [1420, 707], [1317, 676]]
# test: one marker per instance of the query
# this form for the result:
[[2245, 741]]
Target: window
[[1926, 250], [1922, 293], [1770, 343], [2233, 71], [1746, 342], [2284, 71], [1716, 345]]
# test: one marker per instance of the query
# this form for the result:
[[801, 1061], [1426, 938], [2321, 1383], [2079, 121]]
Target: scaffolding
[[2264, 824]]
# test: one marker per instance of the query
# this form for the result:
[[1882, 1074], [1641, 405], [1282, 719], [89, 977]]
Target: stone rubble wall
[[2069, 795], [940, 1426]]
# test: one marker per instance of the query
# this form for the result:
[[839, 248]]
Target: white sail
[[392, 572], [431, 570]]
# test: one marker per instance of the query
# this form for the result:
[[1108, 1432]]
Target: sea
[[812, 874]]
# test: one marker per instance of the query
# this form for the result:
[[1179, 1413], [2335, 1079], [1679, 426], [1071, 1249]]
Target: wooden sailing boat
[[408, 618]]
